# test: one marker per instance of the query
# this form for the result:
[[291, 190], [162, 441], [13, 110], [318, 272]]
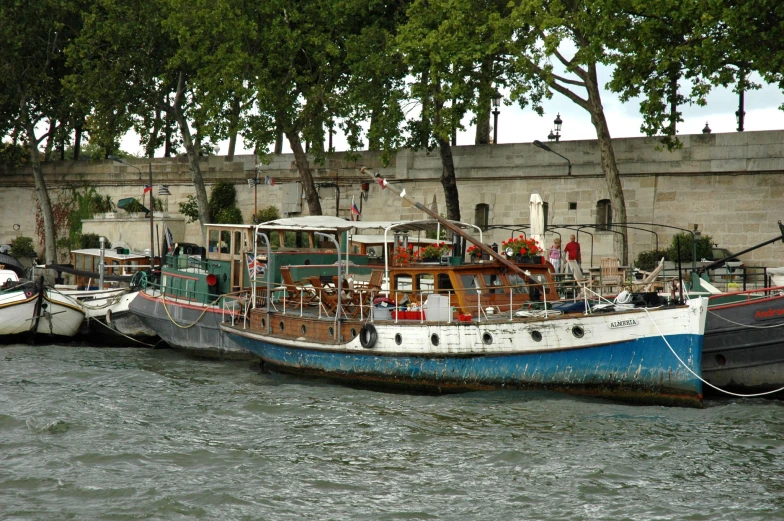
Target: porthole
[[282, 326], [720, 360], [304, 329], [536, 335], [353, 332], [487, 338], [578, 331], [398, 338], [331, 331], [434, 339]]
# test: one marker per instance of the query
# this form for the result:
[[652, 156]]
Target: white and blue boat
[[450, 326]]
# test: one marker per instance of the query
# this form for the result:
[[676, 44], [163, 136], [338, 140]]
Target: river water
[[90, 433]]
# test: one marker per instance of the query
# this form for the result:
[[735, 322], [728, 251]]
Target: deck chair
[[327, 297], [296, 292], [649, 282], [610, 274], [352, 299], [580, 278]]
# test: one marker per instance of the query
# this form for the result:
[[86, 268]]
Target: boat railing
[[496, 302]]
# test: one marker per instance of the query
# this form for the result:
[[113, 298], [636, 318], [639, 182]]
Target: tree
[[32, 68], [167, 60], [542, 32], [452, 49]]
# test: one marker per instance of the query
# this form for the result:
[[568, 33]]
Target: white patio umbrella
[[536, 207]]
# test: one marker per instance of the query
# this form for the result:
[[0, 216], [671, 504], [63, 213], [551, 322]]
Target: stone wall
[[730, 185]]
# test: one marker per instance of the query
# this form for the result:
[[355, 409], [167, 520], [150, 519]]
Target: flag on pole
[[382, 182], [147, 188], [169, 239], [255, 266], [163, 190], [269, 181], [354, 210]]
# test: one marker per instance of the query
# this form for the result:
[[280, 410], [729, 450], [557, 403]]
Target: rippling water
[[89, 433]]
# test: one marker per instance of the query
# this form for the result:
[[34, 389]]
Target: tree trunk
[[235, 117], [77, 140], [279, 140], [311, 195], [152, 144], [50, 141], [50, 245], [448, 180], [609, 165], [483, 110], [193, 160]]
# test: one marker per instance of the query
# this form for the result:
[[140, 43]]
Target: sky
[[516, 125]]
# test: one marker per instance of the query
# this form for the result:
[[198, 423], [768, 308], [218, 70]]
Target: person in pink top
[[555, 254], [572, 251]]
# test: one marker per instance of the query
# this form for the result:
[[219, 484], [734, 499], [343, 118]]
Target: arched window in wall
[[603, 214], [482, 215]]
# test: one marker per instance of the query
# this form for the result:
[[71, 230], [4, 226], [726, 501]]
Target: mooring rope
[[750, 326], [163, 301], [698, 376]]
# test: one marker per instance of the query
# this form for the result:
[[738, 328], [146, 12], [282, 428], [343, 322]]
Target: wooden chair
[[327, 297], [297, 293], [610, 274]]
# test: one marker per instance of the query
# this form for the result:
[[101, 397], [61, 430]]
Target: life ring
[[368, 336], [28, 294]]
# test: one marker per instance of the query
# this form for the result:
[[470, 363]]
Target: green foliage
[[704, 245], [648, 260], [190, 209], [22, 247], [92, 240], [269, 213], [231, 215], [223, 197], [103, 204], [13, 155], [134, 206]]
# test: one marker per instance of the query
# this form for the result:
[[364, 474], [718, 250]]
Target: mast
[[444, 222]]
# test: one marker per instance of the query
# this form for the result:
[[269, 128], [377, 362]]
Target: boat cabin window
[[237, 242], [213, 240], [403, 282], [493, 282], [425, 282], [444, 283], [470, 282], [225, 241], [79, 262], [115, 269], [518, 283]]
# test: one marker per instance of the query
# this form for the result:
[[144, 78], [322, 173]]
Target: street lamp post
[[152, 234], [557, 122], [541, 145], [706, 129], [496, 103]]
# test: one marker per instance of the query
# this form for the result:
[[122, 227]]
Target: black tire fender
[[368, 336]]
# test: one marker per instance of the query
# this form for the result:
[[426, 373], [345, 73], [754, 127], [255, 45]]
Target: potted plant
[[103, 205], [474, 252], [403, 256], [433, 252], [522, 250], [135, 208]]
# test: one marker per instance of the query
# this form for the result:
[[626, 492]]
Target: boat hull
[[744, 346], [630, 365], [109, 320], [56, 317], [187, 327]]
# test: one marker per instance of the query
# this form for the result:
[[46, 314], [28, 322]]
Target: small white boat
[[27, 309]]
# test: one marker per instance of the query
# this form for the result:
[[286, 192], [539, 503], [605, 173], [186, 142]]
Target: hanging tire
[[368, 336]]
